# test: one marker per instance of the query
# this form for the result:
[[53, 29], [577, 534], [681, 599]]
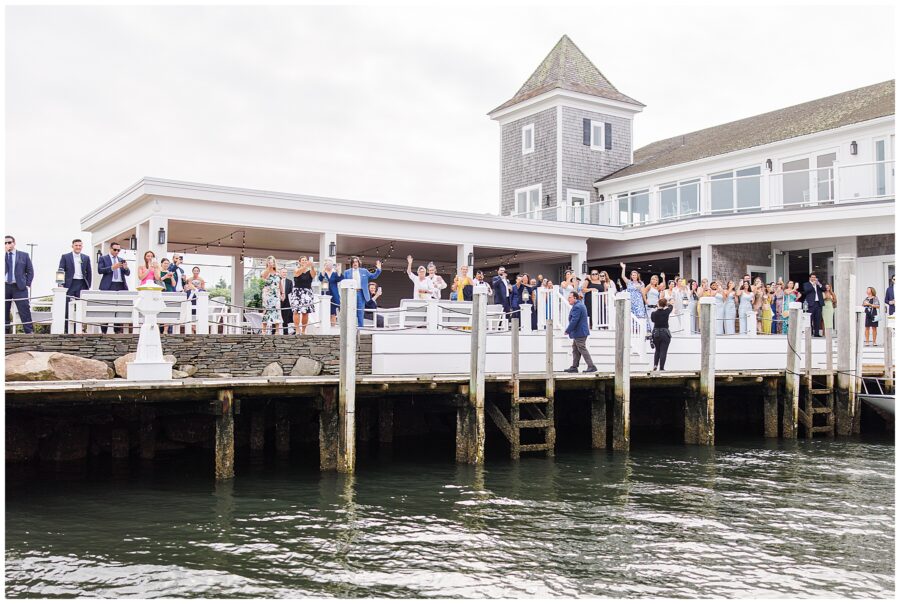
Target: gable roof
[[843, 109], [567, 68]]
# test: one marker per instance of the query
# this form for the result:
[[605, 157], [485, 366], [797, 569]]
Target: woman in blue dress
[[719, 296], [635, 288]]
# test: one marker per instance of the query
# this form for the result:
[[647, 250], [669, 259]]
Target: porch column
[[846, 328], [705, 262], [577, 259], [237, 281], [462, 257], [325, 241]]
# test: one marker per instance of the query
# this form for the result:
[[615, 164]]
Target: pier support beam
[[621, 439], [147, 433], [598, 417], [282, 430], [845, 326], [119, 444], [257, 431], [346, 460], [770, 408], [791, 413], [225, 435], [699, 420], [856, 384], [385, 421], [470, 418], [328, 429]]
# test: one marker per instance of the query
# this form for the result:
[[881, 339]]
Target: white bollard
[[149, 363], [525, 311], [323, 311], [348, 289], [58, 311], [751, 323], [202, 312], [431, 315]]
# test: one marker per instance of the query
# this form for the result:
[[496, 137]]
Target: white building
[[779, 195]]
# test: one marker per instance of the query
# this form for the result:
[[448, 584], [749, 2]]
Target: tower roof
[[567, 68]]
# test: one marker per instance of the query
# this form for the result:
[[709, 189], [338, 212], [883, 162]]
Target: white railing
[[711, 196]]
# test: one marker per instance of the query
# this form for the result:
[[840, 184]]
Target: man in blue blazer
[[814, 296], [501, 288], [579, 331], [361, 276], [19, 274], [114, 270], [77, 269], [331, 278]]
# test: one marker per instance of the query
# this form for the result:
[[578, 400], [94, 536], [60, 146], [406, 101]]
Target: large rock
[[188, 369], [306, 366], [272, 370], [121, 363], [179, 375], [43, 366]]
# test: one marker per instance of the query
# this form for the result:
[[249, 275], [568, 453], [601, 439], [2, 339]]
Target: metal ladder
[[538, 409]]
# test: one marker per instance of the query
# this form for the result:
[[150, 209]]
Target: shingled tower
[[565, 128]]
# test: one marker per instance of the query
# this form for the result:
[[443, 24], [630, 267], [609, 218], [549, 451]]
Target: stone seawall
[[237, 355]]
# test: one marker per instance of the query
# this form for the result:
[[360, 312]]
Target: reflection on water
[[759, 519]]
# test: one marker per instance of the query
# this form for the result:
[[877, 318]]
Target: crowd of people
[[288, 299]]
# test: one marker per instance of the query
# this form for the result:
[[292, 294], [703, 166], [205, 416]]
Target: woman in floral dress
[[271, 295], [635, 289]]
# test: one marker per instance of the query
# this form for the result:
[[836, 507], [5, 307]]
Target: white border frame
[[601, 146], [526, 150]]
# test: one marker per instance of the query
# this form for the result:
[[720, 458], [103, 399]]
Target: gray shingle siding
[[582, 166], [538, 167]]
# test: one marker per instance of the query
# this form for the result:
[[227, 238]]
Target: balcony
[[746, 190]]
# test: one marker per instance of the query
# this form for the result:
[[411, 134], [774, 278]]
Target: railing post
[[889, 352], [857, 370], [542, 301], [470, 416], [596, 299], [836, 181], [751, 323], [58, 311], [525, 311], [203, 312], [346, 454], [845, 327], [791, 373], [431, 315], [548, 354], [621, 440], [514, 347], [323, 310]]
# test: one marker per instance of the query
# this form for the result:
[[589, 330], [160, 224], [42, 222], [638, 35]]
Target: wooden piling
[[225, 435], [147, 433], [888, 352], [282, 429], [621, 439], [257, 431], [385, 421], [792, 373], [845, 326], [347, 388], [120, 446], [703, 403], [470, 418], [855, 403], [770, 408], [598, 417], [550, 391], [328, 428]]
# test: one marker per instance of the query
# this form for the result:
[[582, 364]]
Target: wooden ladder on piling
[[819, 392], [538, 409]]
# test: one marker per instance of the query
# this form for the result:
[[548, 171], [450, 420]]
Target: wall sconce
[[332, 249], [99, 255], [769, 165], [584, 267], [471, 261], [602, 197], [60, 277], [547, 200], [161, 238], [133, 242], [853, 148]]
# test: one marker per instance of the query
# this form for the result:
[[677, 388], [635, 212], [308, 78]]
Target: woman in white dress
[[422, 285], [437, 282]]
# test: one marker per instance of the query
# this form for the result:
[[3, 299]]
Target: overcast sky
[[376, 104]]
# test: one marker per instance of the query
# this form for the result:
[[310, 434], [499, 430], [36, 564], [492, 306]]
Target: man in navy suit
[[501, 288], [813, 295], [361, 276], [19, 274], [579, 331], [114, 271], [77, 269]]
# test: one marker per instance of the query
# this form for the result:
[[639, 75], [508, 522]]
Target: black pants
[[115, 287], [287, 319], [661, 339], [815, 319], [74, 291], [22, 305]]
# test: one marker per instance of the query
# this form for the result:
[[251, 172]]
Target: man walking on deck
[[579, 331]]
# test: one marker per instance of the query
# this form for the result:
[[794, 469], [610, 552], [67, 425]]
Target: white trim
[[559, 155], [526, 149], [528, 208], [585, 211], [618, 182], [568, 98], [601, 145]]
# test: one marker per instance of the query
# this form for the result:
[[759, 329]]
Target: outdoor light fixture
[[133, 242], [99, 255], [162, 236], [853, 148], [332, 249], [584, 267], [547, 199], [769, 165], [471, 261], [60, 277], [602, 197]]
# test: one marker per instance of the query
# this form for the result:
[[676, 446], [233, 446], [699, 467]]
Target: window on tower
[[598, 133], [527, 139]]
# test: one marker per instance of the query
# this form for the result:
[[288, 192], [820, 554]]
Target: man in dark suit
[[113, 270], [501, 288], [813, 295], [77, 269], [287, 315], [19, 274]]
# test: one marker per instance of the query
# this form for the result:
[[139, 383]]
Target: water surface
[[754, 518]]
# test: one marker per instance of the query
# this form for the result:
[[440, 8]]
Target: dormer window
[[527, 139], [598, 135]]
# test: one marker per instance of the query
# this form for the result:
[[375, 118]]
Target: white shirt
[[179, 286], [354, 274], [76, 262], [438, 284], [422, 289], [815, 291]]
